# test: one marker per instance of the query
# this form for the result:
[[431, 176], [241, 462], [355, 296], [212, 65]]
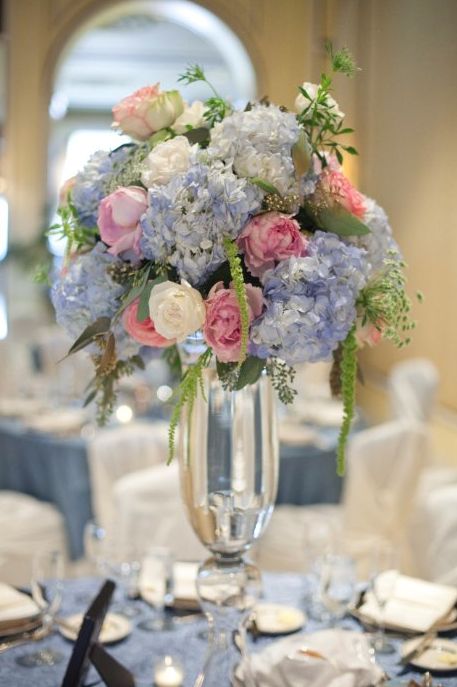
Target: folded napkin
[[152, 583], [414, 605], [330, 658], [15, 606], [67, 421]]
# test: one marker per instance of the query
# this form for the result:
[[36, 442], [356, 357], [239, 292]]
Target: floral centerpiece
[[240, 224]]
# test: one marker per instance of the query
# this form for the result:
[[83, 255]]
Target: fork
[[34, 636]]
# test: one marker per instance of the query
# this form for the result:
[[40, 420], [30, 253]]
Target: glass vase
[[228, 453]]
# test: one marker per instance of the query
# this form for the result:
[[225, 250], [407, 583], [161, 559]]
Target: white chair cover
[[412, 386], [150, 512], [119, 451], [433, 529], [28, 526]]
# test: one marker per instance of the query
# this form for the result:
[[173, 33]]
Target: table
[[141, 650], [55, 469]]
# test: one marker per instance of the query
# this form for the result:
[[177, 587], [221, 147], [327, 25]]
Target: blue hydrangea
[[380, 240], [258, 143], [310, 302], [85, 292], [188, 218], [92, 182]]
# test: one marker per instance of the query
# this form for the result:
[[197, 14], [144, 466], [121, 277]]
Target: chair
[[412, 388], [384, 465], [28, 526], [115, 452], [150, 512]]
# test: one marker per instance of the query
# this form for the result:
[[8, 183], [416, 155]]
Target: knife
[[424, 643]]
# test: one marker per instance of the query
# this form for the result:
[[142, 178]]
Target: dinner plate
[[114, 628], [276, 619], [438, 656]]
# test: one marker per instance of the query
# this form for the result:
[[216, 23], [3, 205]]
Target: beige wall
[[403, 104]]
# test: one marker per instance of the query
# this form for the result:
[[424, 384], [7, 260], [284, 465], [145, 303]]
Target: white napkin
[[340, 659], [63, 421], [15, 605], [152, 583], [414, 604]]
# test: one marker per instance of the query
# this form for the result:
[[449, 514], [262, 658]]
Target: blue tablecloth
[[52, 469], [141, 650], [55, 469]]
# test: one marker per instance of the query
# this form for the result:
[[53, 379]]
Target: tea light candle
[[168, 673]]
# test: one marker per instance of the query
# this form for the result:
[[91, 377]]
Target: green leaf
[[160, 137], [97, 328], [264, 185], [351, 150], [134, 292], [250, 371], [341, 222], [301, 155], [138, 361], [199, 135], [89, 398], [143, 306]]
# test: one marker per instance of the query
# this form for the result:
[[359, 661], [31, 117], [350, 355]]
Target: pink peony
[[222, 328], [143, 332], [334, 184], [118, 218], [268, 238], [146, 111]]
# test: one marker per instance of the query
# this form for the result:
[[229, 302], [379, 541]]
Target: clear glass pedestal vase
[[228, 454]]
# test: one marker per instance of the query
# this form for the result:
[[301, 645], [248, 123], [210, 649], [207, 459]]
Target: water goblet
[[337, 585], [383, 579], [47, 589], [157, 574]]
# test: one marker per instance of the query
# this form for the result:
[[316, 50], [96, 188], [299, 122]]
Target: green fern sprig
[[187, 392], [236, 272], [348, 381]]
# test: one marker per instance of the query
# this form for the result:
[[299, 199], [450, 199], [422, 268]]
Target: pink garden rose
[[143, 332], [146, 111], [222, 328], [118, 218], [368, 334], [269, 238], [338, 189]]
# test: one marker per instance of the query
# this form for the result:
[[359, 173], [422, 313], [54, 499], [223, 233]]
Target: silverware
[[424, 643], [34, 636]]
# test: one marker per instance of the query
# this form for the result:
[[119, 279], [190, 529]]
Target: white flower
[[191, 117], [302, 103], [177, 310], [166, 160]]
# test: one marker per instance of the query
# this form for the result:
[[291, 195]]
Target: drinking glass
[[47, 588], [383, 579], [319, 541], [337, 585], [157, 573], [95, 547]]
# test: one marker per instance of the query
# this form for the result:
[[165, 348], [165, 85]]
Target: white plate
[[276, 619], [115, 628], [440, 655]]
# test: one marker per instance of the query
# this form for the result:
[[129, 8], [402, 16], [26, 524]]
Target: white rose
[[177, 310], [165, 160], [311, 88], [191, 117]]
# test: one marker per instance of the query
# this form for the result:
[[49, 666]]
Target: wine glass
[[47, 589], [123, 564], [157, 574], [319, 541], [383, 579], [337, 585], [95, 546]]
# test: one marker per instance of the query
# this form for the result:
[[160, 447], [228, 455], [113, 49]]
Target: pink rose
[[146, 111], [268, 238], [65, 191], [222, 328], [368, 333], [118, 218], [338, 189], [143, 332]]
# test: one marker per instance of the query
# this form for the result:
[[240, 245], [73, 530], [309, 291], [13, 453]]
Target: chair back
[[412, 388]]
